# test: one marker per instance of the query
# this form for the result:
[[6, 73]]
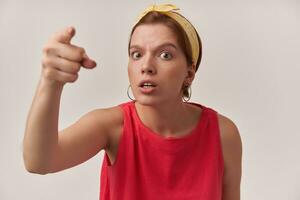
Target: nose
[[148, 66]]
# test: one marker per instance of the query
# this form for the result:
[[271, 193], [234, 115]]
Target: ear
[[190, 74]]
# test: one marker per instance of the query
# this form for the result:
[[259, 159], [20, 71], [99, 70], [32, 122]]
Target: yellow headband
[[169, 10]]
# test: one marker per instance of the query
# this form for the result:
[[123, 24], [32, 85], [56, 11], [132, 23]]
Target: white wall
[[250, 73]]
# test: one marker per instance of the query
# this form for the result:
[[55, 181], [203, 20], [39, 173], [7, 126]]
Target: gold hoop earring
[[128, 93]]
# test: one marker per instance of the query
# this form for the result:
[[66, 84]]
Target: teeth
[[147, 84]]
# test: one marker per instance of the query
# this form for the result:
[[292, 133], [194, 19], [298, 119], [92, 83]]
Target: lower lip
[[147, 90]]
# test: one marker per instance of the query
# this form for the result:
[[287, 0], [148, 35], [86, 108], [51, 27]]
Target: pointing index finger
[[65, 35]]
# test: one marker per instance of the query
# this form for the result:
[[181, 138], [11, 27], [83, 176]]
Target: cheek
[[177, 76], [131, 73]]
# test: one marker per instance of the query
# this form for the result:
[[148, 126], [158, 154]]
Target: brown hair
[[154, 17]]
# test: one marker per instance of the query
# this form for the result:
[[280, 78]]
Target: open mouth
[[147, 85]]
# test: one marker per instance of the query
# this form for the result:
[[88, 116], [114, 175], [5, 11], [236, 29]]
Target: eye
[[166, 55], [135, 55]]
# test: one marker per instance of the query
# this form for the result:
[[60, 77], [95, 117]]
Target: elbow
[[35, 171], [34, 168]]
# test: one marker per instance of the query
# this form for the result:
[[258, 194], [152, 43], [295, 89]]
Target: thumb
[[87, 62]]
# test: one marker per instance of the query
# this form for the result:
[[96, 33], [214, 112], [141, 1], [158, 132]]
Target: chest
[[116, 138]]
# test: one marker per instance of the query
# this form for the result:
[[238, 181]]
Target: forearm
[[41, 132]]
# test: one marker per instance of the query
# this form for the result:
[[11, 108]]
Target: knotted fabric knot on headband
[[170, 10], [159, 8]]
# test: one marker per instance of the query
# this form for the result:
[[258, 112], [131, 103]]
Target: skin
[[61, 63], [48, 150], [162, 110], [232, 153]]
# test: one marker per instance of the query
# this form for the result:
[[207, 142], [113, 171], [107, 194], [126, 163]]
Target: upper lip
[[147, 81]]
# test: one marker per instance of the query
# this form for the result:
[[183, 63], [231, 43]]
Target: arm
[[232, 151], [40, 136], [44, 150]]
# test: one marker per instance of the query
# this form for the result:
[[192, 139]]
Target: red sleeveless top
[[149, 166]]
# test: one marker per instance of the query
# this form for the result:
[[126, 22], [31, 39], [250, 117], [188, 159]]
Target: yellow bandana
[[170, 10]]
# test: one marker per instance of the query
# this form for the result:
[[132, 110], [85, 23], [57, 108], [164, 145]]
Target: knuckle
[[73, 78], [74, 69], [77, 67], [46, 49], [46, 61], [80, 52]]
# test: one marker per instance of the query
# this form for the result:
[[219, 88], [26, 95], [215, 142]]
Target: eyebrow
[[159, 46]]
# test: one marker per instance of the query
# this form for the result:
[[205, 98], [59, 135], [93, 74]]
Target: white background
[[249, 73]]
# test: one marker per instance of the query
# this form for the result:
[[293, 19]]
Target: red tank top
[[149, 166]]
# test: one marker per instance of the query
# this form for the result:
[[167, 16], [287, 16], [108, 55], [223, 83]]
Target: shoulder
[[228, 129], [232, 154], [109, 114], [111, 119], [230, 138], [113, 114]]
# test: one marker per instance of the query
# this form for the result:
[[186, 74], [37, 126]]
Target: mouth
[[147, 84], [147, 87]]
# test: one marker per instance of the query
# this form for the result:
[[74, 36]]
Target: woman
[[157, 146]]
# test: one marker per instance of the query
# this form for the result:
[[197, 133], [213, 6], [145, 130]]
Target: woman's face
[[156, 58]]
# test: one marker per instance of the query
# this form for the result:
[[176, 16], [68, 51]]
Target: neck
[[164, 119]]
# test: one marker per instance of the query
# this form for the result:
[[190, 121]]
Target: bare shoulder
[[112, 117], [114, 125], [229, 130], [232, 153]]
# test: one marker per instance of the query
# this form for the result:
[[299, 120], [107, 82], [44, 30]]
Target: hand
[[62, 60]]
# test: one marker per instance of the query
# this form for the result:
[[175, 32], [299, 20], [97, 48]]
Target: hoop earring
[[189, 97], [128, 93]]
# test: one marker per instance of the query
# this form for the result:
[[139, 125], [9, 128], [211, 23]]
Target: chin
[[148, 100], [153, 100]]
